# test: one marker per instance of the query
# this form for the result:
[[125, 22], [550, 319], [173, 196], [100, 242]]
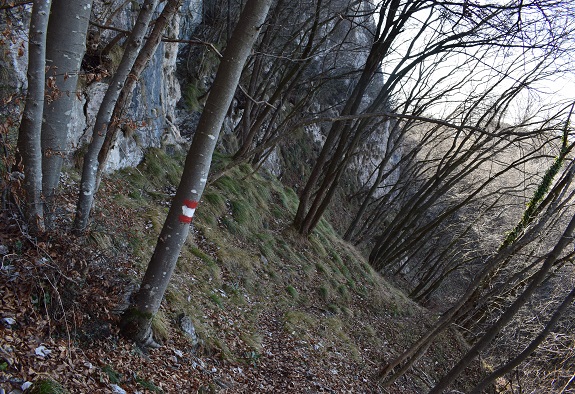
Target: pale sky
[[552, 92]]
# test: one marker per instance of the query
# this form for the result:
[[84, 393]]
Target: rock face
[[154, 100], [353, 37], [153, 105]]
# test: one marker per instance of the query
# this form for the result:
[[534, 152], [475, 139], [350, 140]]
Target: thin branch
[[244, 91], [164, 39]]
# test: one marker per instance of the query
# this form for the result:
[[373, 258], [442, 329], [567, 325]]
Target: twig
[[64, 313], [194, 42], [253, 99], [568, 384], [164, 39]]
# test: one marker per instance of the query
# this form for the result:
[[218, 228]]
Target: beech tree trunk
[[65, 47], [136, 322], [29, 144], [88, 183], [140, 64]]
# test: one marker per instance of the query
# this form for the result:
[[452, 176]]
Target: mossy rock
[[47, 386]]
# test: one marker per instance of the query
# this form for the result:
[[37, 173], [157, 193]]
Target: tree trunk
[[341, 130], [514, 363], [89, 172], [65, 47], [348, 236], [142, 60], [136, 322], [31, 126], [537, 279], [402, 363]]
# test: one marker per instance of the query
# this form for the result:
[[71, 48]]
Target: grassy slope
[[275, 312]]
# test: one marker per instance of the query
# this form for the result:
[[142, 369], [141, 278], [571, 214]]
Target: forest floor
[[273, 312]]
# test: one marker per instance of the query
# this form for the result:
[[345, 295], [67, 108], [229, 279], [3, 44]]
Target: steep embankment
[[272, 312]]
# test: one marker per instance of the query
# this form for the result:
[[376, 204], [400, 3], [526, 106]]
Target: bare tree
[[281, 80], [136, 322], [88, 184], [402, 363], [29, 143], [565, 240], [65, 47], [535, 343], [144, 56], [344, 136]]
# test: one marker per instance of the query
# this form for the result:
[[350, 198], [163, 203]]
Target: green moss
[[361, 290], [148, 385], [345, 271], [253, 339], [47, 386], [324, 227], [242, 213], [175, 297], [336, 257], [292, 292], [161, 326], [318, 246], [153, 166], [222, 348], [206, 217], [215, 200], [350, 284], [333, 308], [534, 204], [324, 293], [115, 377], [273, 275], [289, 200], [162, 166], [299, 323], [234, 227], [215, 298], [342, 290], [228, 185], [199, 253], [278, 212], [191, 94]]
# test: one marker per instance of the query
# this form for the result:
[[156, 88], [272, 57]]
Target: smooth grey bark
[[65, 48], [30, 128], [146, 53], [136, 322], [537, 279], [88, 183]]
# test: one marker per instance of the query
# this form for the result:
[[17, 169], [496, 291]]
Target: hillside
[[272, 311], [369, 189]]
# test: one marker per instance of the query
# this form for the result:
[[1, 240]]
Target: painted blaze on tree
[[188, 210], [137, 320]]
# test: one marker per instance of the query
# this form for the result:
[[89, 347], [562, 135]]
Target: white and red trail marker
[[188, 210]]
